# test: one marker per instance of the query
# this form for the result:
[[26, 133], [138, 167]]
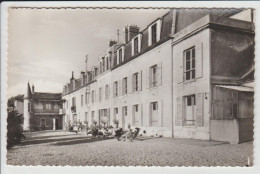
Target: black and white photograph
[[89, 86]]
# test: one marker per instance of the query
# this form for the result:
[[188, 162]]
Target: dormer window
[[120, 55], [154, 28], [136, 44], [154, 31]]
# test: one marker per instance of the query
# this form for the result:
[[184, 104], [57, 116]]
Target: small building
[[41, 111]]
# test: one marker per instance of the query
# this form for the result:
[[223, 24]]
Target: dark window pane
[[188, 75], [193, 74], [188, 65], [153, 33], [189, 101], [187, 55], [193, 63], [193, 52], [135, 45]]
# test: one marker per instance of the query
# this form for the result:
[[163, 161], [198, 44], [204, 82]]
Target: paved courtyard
[[63, 148]]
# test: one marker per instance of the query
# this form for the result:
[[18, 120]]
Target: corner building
[[162, 78]]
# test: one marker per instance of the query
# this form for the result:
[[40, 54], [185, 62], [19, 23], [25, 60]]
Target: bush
[[14, 129]]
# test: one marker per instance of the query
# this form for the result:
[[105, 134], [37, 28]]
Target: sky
[[46, 45]]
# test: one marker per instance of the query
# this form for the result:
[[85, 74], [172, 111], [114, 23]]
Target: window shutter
[[140, 81], [199, 60], [44, 105], [133, 112], [148, 109], [140, 111], [160, 113], [132, 50], [52, 105], [139, 42], [119, 88], [148, 80], [130, 85], [180, 68], [108, 116], [178, 118], [123, 53], [158, 30], [149, 36], [159, 74], [199, 109]]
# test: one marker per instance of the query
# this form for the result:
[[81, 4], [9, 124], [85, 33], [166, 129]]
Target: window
[[92, 116], [93, 96], [67, 103], [189, 110], [115, 89], [81, 100], [136, 46], [154, 33], [48, 106], [189, 59], [43, 123], [125, 111], [87, 98], [135, 82], [153, 76], [154, 114], [124, 85], [103, 64], [86, 116], [75, 118], [120, 55], [100, 94], [106, 92], [73, 101], [29, 107], [115, 113], [107, 63], [100, 68], [135, 115]]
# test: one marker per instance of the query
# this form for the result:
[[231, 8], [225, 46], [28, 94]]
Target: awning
[[237, 88]]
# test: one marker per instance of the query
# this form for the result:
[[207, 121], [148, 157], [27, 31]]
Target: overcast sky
[[46, 45]]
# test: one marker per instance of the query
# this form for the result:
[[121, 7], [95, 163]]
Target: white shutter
[[139, 42], [123, 53], [159, 74], [140, 114], [132, 48], [140, 75], [158, 30], [199, 60], [114, 89], [119, 87], [148, 78], [160, 113], [199, 109], [179, 114], [180, 67], [149, 35], [129, 84]]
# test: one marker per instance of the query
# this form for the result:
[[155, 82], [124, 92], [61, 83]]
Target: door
[[42, 123], [135, 115], [154, 114], [57, 125], [124, 111]]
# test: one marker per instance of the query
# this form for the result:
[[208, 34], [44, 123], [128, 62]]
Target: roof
[[237, 88], [41, 95]]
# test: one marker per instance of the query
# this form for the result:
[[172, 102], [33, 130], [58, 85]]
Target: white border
[[126, 170]]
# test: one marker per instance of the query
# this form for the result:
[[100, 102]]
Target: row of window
[[104, 115]]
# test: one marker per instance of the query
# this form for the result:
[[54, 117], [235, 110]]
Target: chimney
[[112, 42], [33, 88], [72, 77], [130, 32]]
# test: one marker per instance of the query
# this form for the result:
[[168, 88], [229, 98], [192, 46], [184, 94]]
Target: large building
[[40, 110], [182, 76]]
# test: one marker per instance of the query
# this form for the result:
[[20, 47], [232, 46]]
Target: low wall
[[225, 130]]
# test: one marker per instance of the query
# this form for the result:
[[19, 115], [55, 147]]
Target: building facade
[[41, 111], [163, 78]]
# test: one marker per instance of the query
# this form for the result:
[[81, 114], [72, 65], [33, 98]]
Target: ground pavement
[[64, 148]]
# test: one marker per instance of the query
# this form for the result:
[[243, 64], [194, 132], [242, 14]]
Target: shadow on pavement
[[79, 141]]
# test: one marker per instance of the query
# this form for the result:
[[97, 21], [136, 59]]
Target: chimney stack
[[112, 42], [72, 77], [130, 32]]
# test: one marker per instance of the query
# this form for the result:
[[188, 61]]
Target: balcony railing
[[46, 110]]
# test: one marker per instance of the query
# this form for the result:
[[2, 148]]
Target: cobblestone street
[[63, 148]]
